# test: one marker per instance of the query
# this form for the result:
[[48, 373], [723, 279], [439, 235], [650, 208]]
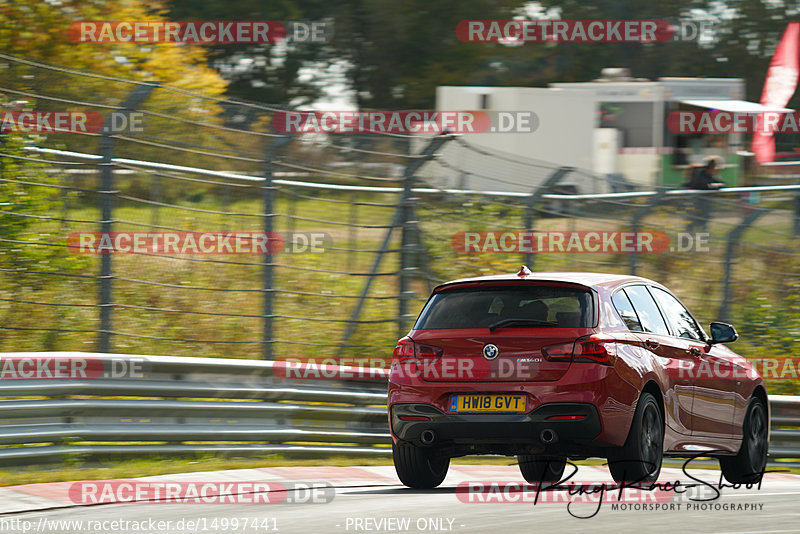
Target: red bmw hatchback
[[551, 366]]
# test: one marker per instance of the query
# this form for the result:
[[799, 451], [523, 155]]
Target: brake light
[[406, 349], [594, 348], [591, 348]]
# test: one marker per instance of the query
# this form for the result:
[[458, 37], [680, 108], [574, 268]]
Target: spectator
[[704, 176]]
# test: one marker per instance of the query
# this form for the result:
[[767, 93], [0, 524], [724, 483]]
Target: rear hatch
[[502, 331]]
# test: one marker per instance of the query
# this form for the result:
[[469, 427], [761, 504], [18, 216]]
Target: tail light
[[592, 348], [558, 353], [597, 349], [406, 349]]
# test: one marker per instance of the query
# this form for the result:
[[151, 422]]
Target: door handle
[[694, 351], [652, 345]]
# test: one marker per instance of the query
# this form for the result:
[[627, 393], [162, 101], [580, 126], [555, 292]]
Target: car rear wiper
[[522, 322]]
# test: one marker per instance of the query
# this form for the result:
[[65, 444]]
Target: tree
[[259, 72], [35, 32], [399, 52]]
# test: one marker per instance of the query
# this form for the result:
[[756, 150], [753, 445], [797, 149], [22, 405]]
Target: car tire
[[639, 460], [419, 467], [748, 465], [536, 469]]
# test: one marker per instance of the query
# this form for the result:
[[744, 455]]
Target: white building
[[611, 126]]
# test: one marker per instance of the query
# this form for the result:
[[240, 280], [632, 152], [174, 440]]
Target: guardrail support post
[[268, 192], [136, 97], [535, 199]]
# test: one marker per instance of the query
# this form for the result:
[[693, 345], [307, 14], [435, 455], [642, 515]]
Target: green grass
[[201, 323], [765, 304]]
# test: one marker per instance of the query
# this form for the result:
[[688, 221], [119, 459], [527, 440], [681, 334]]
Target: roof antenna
[[524, 271]]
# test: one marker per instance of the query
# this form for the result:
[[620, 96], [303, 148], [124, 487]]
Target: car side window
[[682, 322], [626, 311], [647, 310]]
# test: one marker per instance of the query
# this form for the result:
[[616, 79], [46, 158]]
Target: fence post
[[268, 192], [156, 197], [352, 232], [399, 219], [291, 212], [797, 212], [733, 240], [136, 97], [409, 252], [639, 214], [410, 246], [535, 198]]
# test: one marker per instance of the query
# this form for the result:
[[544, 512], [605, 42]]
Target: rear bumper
[[493, 431]]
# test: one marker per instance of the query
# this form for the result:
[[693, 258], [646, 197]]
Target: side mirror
[[722, 333]]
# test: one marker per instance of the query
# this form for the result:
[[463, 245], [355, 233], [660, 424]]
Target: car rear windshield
[[481, 307]]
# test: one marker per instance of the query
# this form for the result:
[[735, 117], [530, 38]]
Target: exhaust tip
[[428, 437], [548, 436]]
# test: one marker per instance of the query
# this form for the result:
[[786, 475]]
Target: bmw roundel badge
[[490, 351]]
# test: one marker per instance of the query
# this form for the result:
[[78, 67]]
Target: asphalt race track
[[369, 499]]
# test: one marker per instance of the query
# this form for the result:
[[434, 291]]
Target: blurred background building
[[614, 126]]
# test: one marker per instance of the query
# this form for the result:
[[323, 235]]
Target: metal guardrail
[[130, 404], [126, 404], [785, 431]]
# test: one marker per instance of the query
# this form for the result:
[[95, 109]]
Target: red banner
[[779, 87]]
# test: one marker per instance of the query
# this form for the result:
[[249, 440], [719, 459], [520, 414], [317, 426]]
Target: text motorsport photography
[[585, 500]]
